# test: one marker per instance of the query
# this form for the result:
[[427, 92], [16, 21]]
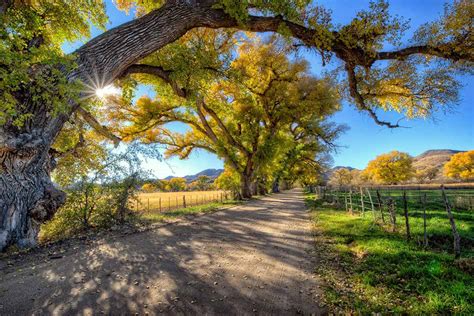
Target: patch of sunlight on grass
[[389, 274]]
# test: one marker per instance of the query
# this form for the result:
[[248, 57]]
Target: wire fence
[[164, 202], [386, 203]]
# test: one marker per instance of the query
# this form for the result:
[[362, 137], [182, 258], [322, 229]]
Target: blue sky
[[365, 139]]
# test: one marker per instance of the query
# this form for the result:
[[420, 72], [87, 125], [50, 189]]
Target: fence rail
[[173, 201], [386, 203]]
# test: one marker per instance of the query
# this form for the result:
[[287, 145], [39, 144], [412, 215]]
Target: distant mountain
[[435, 158], [438, 153], [211, 173], [329, 172], [341, 167]]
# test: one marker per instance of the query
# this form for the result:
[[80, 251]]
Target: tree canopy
[[242, 99], [392, 168], [460, 166]]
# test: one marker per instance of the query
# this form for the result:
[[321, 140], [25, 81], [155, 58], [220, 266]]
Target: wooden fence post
[[405, 213], [350, 202], [362, 201], [379, 198], [371, 203], [169, 203], [177, 203], [184, 201], [425, 235], [456, 237], [345, 201], [393, 215], [160, 204]]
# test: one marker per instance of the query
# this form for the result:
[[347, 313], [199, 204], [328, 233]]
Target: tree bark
[[261, 187], [27, 196], [245, 186]]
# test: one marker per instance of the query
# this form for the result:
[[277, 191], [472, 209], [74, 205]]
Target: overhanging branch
[[158, 72], [99, 128], [354, 92]]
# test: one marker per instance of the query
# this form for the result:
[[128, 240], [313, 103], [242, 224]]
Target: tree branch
[[158, 72], [446, 51], [99, 128], [224, 129], [354, 92]]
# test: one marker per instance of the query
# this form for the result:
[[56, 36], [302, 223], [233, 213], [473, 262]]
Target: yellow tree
[[229, 180], [392, 168], [460, 166], [177, 184], [149, 187], [341, 177], [240, 102]]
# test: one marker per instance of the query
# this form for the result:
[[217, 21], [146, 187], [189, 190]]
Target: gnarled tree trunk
[[27, 195]]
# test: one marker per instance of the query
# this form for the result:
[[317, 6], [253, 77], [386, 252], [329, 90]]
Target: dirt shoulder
[[252, 258]]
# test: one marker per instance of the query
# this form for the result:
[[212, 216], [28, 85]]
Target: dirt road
[[250, 259]]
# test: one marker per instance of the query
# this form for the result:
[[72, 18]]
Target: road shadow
[[250, 259]]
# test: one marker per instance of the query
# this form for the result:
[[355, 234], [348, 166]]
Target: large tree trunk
[[261, 186], [27, 196], [245, 186]]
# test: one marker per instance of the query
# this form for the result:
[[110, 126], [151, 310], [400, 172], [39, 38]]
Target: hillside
[[211, 173], [434, 159]]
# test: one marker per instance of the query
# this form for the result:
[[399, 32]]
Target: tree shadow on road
[[254, 259]]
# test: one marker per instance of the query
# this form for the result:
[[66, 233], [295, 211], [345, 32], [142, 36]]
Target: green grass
[[370, 269], [153, 216]]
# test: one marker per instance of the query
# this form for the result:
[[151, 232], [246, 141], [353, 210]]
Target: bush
[[101, 198], [91, 206]]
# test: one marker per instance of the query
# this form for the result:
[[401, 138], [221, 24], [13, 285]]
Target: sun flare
[[106, 91]]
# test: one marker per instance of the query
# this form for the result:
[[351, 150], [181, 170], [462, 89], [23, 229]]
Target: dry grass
[[174, 200]]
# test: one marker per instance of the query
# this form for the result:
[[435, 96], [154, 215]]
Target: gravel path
[[255, 258]]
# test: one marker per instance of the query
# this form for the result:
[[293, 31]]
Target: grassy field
[[174, 200], [369, 268], [153, 217]]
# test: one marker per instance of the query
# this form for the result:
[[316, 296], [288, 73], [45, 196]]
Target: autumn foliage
[[460, 166], [392, 168]]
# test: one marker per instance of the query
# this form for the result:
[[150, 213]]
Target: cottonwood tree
[[426, 174], [392, 168], [243, 110], [460, 166], [229, 180], [341, 177], [177, 184], [40, 93]]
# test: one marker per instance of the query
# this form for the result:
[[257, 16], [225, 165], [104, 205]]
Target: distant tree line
[[202, 183]]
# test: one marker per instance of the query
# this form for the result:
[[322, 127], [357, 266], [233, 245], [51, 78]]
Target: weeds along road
[[251, 259]]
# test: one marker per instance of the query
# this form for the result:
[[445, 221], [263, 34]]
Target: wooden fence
[[384, 203], [177, 200]]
